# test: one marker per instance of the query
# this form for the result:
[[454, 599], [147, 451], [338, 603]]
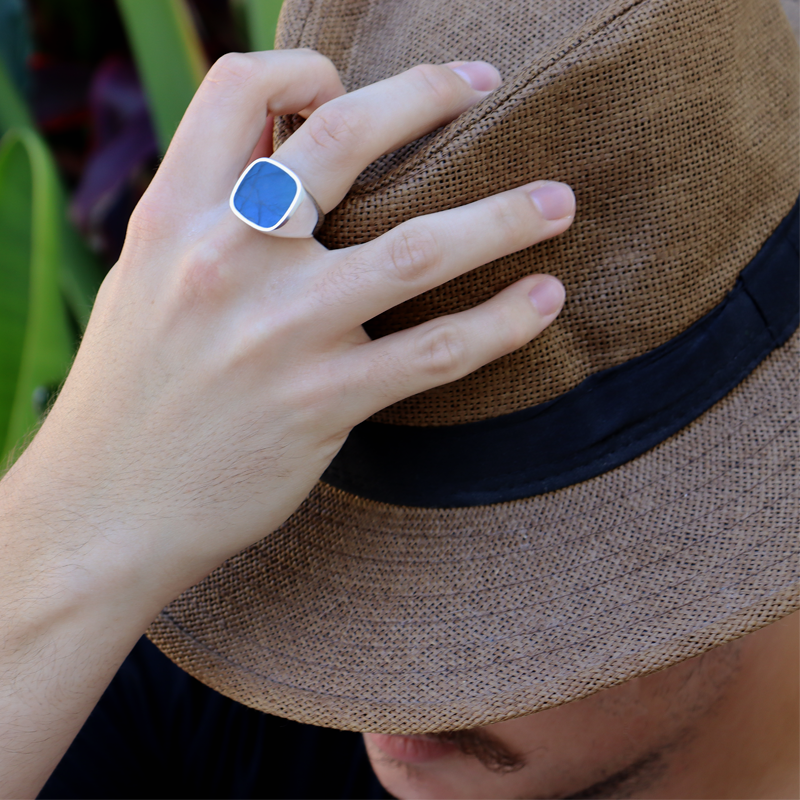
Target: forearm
[[69, 614]]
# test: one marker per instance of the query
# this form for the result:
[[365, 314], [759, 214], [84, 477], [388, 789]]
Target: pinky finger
[[448, 348]]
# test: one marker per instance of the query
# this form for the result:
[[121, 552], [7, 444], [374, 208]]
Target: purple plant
[[123, 147]]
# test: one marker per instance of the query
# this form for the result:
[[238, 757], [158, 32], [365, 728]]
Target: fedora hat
[[616, 496]]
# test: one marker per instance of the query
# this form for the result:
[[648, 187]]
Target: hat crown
[[675, 123]]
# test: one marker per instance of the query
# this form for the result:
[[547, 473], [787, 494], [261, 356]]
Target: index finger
[[226, 118], [341, 139]]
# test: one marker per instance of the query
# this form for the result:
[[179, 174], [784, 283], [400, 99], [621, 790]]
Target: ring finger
[[430, 250]]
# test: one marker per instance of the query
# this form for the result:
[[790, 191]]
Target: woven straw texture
[[677, 124], [372, 617], [677, 131]]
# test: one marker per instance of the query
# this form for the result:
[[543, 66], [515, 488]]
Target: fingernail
[[480, 75], [554, 200], [547, 296]]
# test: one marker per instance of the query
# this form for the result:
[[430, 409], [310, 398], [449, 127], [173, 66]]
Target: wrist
[[70, 611], [61, 561]]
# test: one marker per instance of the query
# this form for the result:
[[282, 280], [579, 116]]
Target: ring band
[[270, 198]]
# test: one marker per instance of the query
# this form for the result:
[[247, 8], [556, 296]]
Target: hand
[[222, 368]]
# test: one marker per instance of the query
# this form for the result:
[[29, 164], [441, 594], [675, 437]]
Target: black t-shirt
[[159, 733]]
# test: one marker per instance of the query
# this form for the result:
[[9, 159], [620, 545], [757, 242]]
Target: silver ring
[[270, 198]]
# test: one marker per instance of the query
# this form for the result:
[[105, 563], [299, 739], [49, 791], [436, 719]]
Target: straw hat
[[616, 496]]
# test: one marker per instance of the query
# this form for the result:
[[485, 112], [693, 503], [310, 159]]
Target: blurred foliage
[[37, 342], [13, 108], [90, 93], [169, 57], [15, 44], [14, 52], [77, 31], [262, 21]]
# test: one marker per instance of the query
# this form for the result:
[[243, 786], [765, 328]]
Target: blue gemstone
[[265, 194]]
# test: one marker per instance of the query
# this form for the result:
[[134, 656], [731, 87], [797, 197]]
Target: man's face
[[636, 739], [618, 736]]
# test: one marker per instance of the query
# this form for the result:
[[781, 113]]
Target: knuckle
[[441, 352], [336, 129], [345, 282], [511, 218], [149, 221], [413, 252], [231, 70], [511, 331], [322, 62], [439, 83], [204, 273]]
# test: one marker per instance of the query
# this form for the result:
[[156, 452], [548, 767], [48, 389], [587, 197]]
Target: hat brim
[[366, 616]]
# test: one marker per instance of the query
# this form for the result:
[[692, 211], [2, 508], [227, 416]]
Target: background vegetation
[[91, 93]]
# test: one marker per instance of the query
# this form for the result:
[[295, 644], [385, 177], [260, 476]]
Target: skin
[[722, 725], [222, 369]]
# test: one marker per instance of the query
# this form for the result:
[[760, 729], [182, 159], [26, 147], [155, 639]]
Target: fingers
[[364, 281], [227, 117], [347, 134], [448, 348]]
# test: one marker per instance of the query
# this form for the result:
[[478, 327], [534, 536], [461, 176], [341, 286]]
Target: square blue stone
[[265, 194]]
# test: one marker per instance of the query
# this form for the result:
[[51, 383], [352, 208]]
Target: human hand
[[222, 368]]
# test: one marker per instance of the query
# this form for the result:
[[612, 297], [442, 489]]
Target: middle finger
[[365, 280], [341, 138]]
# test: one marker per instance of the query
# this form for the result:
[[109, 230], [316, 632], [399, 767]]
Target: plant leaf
[[80, 274], [36, 343], [13, 108], [169, 58], [262, 21], [15, 42]]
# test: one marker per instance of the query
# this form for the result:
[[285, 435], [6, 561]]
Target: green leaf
[[13, 108], [169, 58], [262, 21], [15, 42], [81, 274], [36, 342]]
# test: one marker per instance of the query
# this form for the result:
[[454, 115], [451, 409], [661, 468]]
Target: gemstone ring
[[272, 199]]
